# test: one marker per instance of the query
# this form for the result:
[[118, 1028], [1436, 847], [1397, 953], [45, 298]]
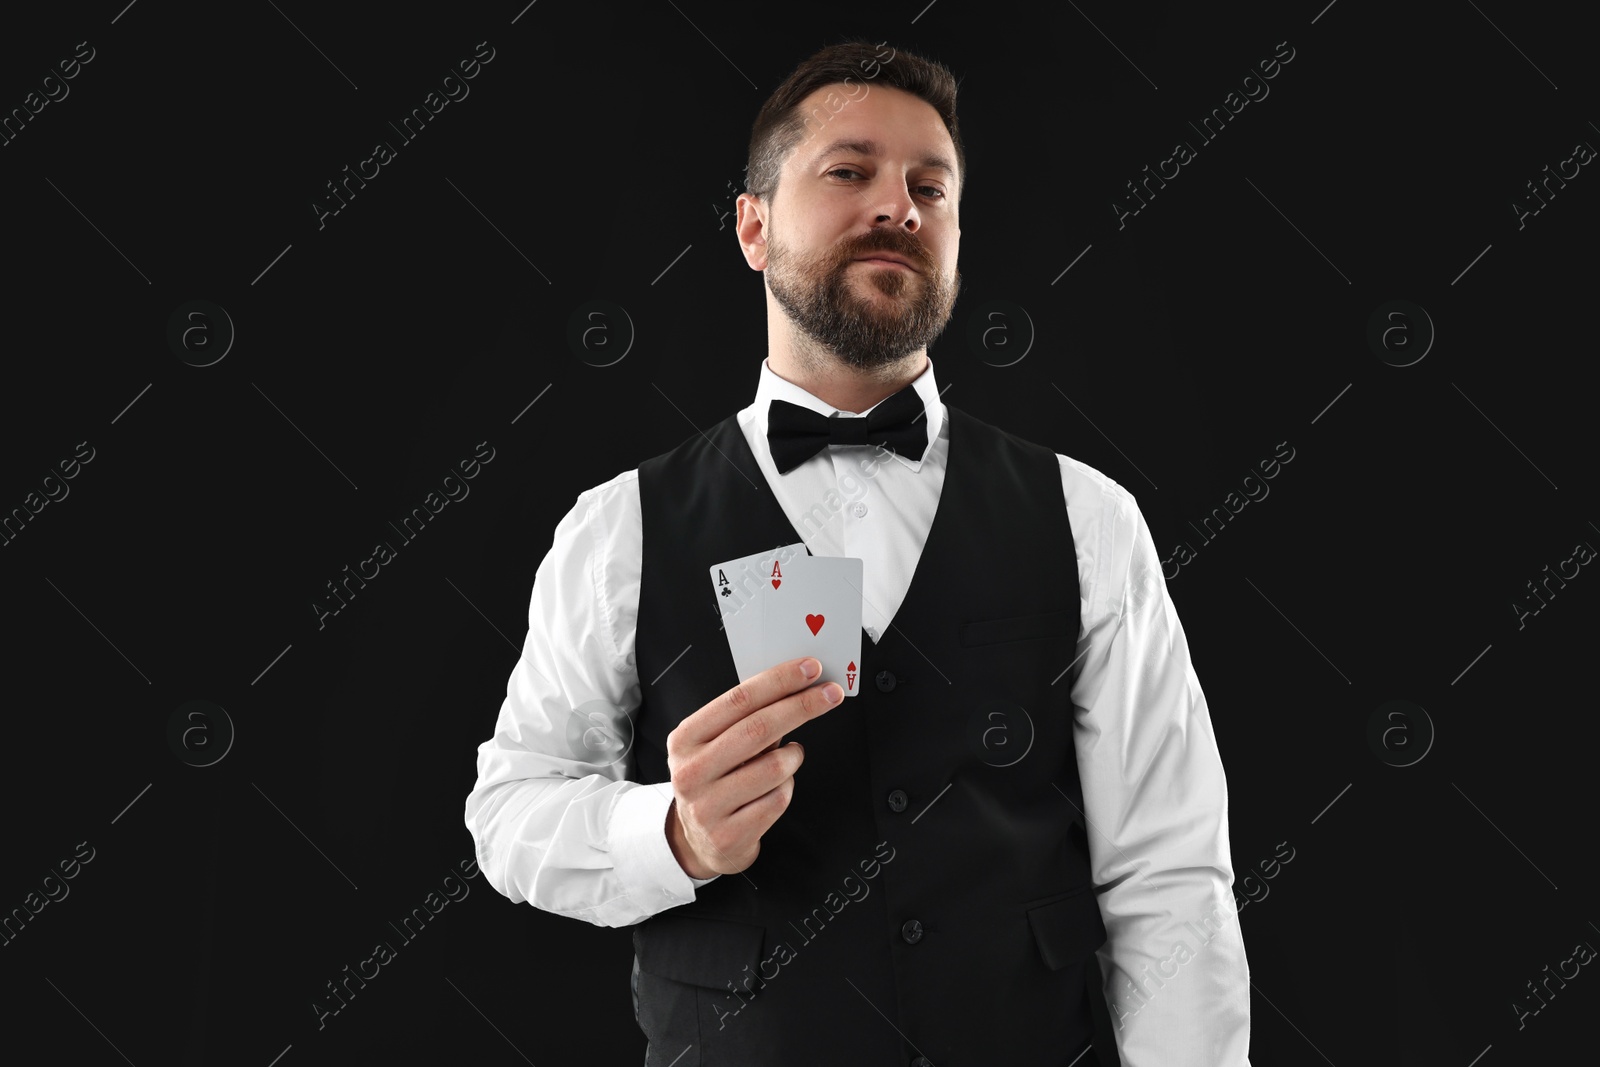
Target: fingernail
[[832, 692], [811, 668]]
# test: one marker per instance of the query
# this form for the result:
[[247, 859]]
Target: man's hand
[[730, 778]]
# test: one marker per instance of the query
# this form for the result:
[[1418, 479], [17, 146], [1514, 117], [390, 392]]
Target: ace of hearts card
[[800, 605]]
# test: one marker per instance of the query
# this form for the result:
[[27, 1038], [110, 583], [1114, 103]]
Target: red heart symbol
[[815, 622], [776, 582]]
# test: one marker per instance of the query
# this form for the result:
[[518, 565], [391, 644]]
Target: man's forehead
[[862, 129]]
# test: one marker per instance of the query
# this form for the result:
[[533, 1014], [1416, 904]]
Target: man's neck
[[844, 387]]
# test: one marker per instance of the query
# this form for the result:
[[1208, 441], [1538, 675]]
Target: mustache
[[883, 242]]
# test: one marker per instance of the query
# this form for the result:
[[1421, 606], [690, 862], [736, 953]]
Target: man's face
[[836, 205]]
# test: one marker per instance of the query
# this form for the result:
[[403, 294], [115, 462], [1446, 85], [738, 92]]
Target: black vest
[[927, 891]]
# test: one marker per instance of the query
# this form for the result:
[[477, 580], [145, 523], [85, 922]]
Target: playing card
[[816, 611], [737, 584]]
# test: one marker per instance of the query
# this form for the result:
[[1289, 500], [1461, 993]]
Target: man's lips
[[886, 259]]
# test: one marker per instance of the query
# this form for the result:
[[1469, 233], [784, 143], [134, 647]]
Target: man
[[927, 872]]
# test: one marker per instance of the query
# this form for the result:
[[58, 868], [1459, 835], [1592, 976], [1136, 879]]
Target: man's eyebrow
[[873, 148]]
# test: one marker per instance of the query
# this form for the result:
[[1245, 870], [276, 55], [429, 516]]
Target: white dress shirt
[[576, 838]]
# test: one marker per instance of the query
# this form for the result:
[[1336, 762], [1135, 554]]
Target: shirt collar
[[771, 387]]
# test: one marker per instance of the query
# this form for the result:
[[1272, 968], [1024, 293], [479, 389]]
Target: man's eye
[[934, 192]]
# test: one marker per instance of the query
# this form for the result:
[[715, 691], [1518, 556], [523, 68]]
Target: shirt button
[[858, 509], [897, 800], [885, 680], [911, 931]]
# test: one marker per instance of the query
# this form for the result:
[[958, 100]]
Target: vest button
[[897, 800], [911, 931], [885, 680]]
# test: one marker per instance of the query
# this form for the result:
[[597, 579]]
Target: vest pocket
[[1067, 930], [1014, 628], [697, 950]]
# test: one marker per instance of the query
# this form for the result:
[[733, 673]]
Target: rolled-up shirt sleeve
[[554, 818], [1177, 984]]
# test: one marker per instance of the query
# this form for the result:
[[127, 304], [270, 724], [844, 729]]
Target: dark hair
[[779, 125]]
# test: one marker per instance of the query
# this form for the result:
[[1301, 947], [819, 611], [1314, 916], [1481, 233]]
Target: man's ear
[[751, 227]]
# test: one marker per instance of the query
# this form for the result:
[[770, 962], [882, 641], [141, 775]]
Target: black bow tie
[[796, 433]]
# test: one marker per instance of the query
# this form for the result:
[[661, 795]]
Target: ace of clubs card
[[737, 585]]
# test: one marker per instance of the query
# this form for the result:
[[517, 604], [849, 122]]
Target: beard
[[869, 318]]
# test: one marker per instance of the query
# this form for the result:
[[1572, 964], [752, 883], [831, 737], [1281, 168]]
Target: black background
[[592, 160]]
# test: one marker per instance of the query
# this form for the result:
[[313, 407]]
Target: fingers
[[752, 819], [723, 822], [747, 738], [749, 783], [747, 698], [732, 774], [775, 743]]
